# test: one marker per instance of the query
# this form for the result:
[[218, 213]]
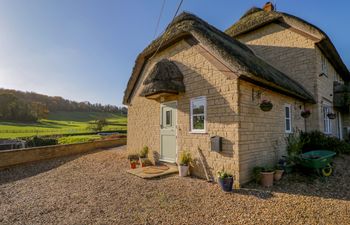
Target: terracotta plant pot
[[278, 175], [183, 171], [267, 179], [226, 183], [133, 165]]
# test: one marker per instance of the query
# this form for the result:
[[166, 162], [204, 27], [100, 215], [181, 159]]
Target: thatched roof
[[165, 77], [255, 18], [240, 58]]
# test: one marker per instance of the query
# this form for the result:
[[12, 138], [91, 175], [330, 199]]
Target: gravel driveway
[[95, 189]]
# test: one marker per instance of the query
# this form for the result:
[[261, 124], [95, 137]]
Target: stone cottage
[[196, 82]]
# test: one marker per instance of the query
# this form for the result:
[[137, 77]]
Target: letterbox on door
[[216, 143]]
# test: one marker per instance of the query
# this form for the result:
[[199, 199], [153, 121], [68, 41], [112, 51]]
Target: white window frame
[[204, 99], [289, 119], [324, 66], [327, 123]]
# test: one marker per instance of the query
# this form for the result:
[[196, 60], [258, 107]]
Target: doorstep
[[150, 172]]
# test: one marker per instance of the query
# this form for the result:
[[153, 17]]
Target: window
[[327, 128], [198, 114], [324, 68], [288, 118], [168, 118]]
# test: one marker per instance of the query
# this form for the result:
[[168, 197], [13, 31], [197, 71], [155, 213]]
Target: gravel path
[[95, 189]]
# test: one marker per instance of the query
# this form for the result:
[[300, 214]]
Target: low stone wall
[[19, 156]]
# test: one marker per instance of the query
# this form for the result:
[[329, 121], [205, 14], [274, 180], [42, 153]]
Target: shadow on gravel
[[310, 184], [262, 194], [28, 170]]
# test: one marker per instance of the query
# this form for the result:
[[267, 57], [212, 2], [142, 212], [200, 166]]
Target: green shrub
[[185, 158], [144, 152], [37, 141], [295, 144], [78, 139], [316, 140], [224, 174]]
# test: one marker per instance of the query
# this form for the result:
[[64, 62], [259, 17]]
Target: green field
[[61, 123]]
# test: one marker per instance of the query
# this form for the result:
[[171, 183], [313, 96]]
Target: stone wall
[[201, 78], [291, 53], [262, 134], [19, 156]]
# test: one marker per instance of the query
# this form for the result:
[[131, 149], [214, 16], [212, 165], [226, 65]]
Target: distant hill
[[31, 106]]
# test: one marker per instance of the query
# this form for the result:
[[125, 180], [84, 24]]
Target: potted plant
[[286, 164], [133, 164], [305, 113], [266, 105], [184, 163], [147, 162], [331, 116], [225, 180], [264, 175], [133, 158], [143, 155], [278, 173]]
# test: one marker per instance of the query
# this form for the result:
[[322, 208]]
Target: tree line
[[30, 106]]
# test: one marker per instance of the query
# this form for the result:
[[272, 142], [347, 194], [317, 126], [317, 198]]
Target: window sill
[[198, 132]]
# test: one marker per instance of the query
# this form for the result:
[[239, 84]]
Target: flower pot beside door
[[133, 158], [184, 163], [144, 156]]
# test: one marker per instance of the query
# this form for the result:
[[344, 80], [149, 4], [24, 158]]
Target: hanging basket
[[305, 114], [331, 116], [266, 106]]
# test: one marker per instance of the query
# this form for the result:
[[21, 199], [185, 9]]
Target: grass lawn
[[78, 139], [61, 123]]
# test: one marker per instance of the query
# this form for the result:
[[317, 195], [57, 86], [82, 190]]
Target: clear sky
[[86, 49]]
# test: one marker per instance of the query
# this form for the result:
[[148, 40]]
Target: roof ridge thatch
[[236, 54], [256, 18]]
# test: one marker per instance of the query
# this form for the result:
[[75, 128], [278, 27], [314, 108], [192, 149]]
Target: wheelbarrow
[[319, 160]]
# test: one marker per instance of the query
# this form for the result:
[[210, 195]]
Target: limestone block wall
[[325, 91], [262, 134], [201, 78], [291, 53]]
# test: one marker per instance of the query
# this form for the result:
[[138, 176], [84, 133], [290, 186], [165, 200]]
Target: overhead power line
[[162, 40], [159, 18]]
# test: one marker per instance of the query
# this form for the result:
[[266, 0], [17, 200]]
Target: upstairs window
[[198, 114], [288, 118], [324, 68]]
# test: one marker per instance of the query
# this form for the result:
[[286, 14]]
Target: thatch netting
[[165, 77], [257, 17], [240, 58]]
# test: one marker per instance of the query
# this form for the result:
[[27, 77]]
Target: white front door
[[168, 132]]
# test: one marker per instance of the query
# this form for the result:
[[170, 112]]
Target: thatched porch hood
[[256, 18], [165, 77], [240, 58]]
